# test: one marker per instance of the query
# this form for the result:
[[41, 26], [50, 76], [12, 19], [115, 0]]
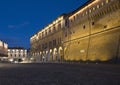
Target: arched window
[[45, 32], [42, 34], [59, 26], [54, 28], [98, 6], [107, 1], [49, 30]]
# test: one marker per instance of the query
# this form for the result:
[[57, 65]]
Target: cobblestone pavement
[[59, 74]]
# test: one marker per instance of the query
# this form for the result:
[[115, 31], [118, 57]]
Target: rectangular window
[[49, 30], [102, 3], [93, 23], [50, 44], [42, 46], [98, 6], [93, 8], [74, 18], [59, 26], [90, 11], [60, 39], [45, 45], [107, 1], [45, 32], [54, 28], [67, 23], [42, 34], [65, 34], [55, 42], [84, 27]]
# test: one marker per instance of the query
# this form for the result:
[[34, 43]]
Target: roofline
[[64, 15], [82, 6], [16, 48], [67, 14]]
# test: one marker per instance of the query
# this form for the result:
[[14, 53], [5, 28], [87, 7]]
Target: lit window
[[107, 1], [49, 30], [86, 12], [98, 6], [37, 37], [90, 10], [93, 8], [83, 14], [102, 4]]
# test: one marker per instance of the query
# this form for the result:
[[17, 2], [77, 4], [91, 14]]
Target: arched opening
[[50, 55], [40, 56], [46, 55], [55, 54], [60, 52], [43, 56], [37, 56]]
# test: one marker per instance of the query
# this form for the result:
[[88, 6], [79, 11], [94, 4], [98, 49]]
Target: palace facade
[[17, 53], [90, 33]]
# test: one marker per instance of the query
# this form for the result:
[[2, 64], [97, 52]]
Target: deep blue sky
[[20, 19]]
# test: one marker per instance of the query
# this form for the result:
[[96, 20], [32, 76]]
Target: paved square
[[59, 74]]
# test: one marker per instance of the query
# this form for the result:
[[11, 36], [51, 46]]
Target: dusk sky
[[20, 19]]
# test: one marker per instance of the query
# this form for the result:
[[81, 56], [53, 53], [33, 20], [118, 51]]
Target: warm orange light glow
[[104, 58], [83, 9], [54, 23]]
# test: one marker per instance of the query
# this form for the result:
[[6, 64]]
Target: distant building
[[17, 53], [3, 49]]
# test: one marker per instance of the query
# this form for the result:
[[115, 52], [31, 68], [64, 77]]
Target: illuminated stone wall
[[90, 33], [94, 34]]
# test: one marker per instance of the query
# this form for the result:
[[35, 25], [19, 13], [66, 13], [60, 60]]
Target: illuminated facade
[[90, 33], [3, 49], [46, 45], [17, 53]]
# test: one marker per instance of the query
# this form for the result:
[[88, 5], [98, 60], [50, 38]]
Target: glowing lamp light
[[11, 60]]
